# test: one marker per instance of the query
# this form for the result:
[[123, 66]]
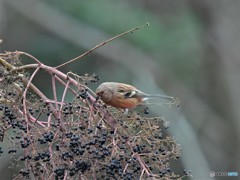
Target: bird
[[124, 96]]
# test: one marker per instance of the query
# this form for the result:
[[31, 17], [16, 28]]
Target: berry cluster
[[79, 138]]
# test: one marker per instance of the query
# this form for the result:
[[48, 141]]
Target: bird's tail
[[159, 96], [173, 100]]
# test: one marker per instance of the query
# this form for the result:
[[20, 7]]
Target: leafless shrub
[[80, 138]]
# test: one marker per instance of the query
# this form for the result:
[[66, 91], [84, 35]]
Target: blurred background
[[190, 50]]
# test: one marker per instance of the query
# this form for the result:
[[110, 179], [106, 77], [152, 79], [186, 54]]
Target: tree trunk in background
[[221, 36]]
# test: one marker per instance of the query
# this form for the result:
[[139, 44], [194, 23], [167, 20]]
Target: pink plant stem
[[51, 101], [25, 93], [33, 119], [29, 55], [49, 120], [51, 70], [54, 92], [56, 100], [64, 94], [66, 84], [141, 162]]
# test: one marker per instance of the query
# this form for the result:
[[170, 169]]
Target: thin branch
[[103, 43], [54, 91], [25, 93], [64, 94], [29, 55]]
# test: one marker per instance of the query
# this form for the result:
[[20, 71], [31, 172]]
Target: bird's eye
[[130, 94]]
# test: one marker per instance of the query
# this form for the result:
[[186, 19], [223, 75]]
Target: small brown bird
[[124, 96]]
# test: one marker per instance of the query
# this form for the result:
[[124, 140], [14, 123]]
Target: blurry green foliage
[[176, 43]]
